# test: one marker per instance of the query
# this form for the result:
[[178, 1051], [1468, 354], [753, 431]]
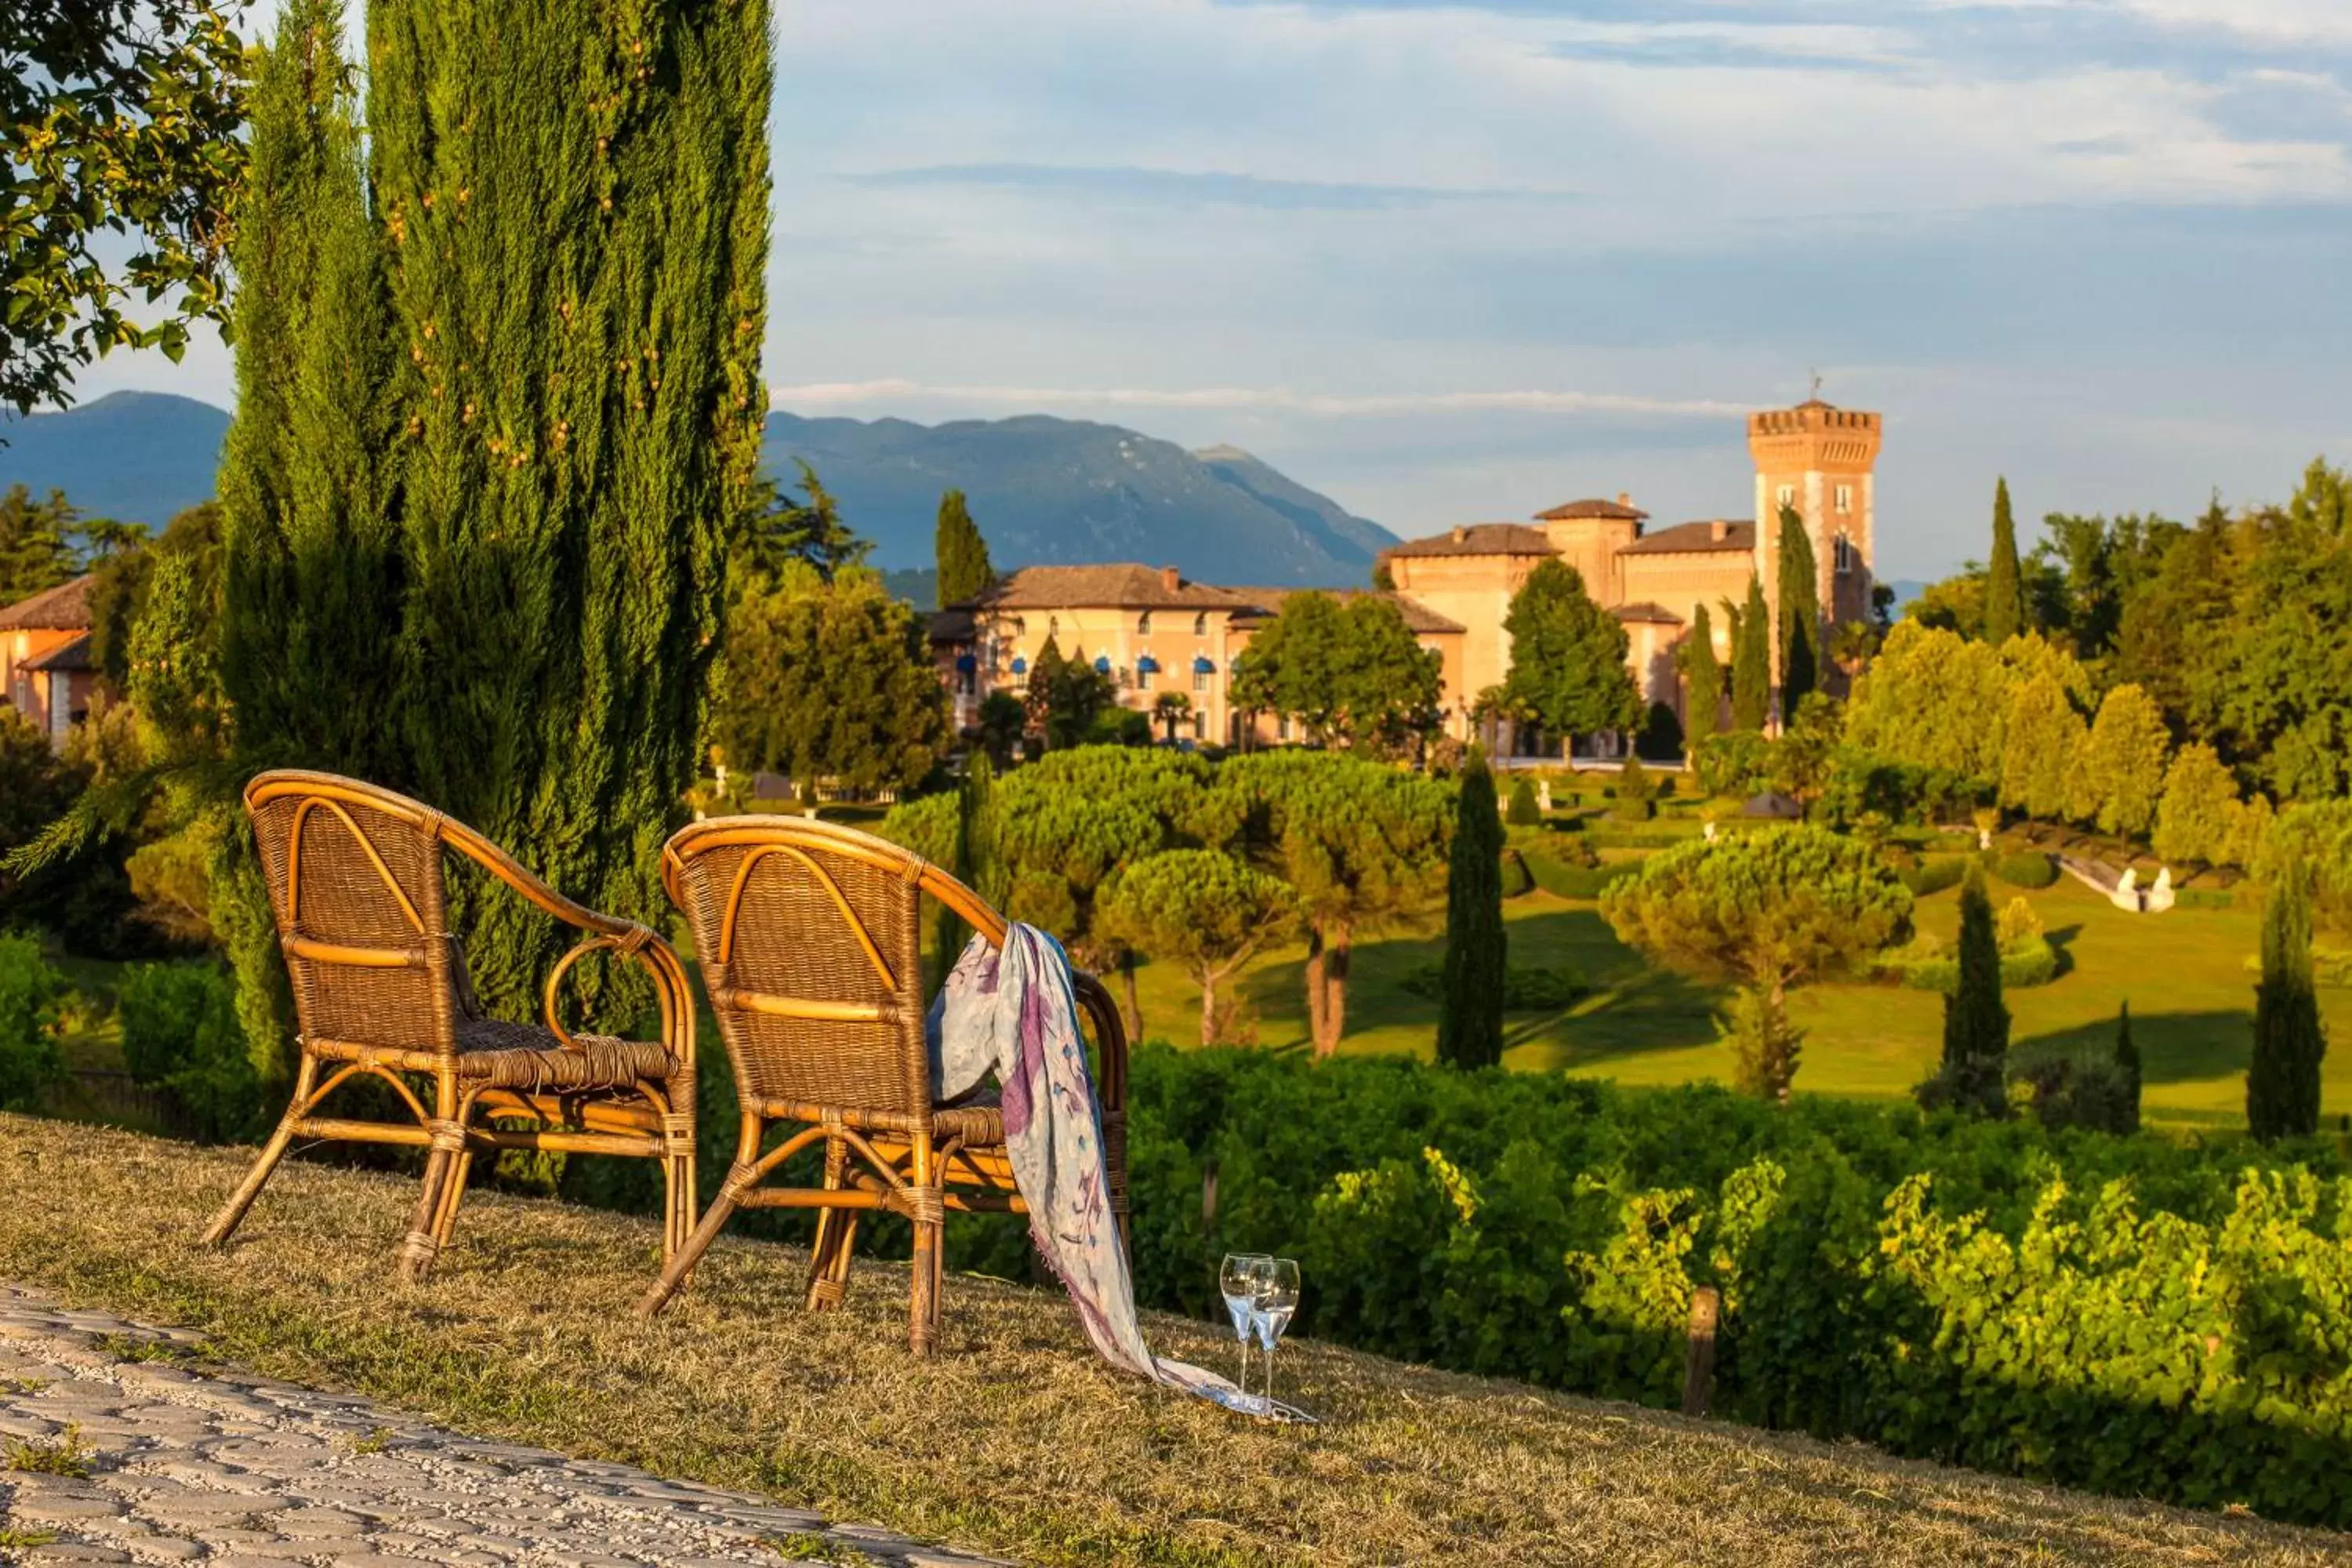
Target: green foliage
[[1525, 990], [577, 284], [2004, 607], [1201, 909], [2127, 1067], [180, 1033], [2283, 1077], [2198, 818], [1737, 763], [1350, 671], [1070, 694], [1751, 662], [1636, 791], [2038, 750], [36, 551], [1564, 879], [965, 570], [1928, 1283], [2028, 868], [30, 991], [2030, 963], [1660, 739], [773, 532], [1568, 657], [2315, 840], [1939, 701], [975, 858], [1003, 717], [1478, 961], [1703, 676], [830, 679], [1764, 1044], [115, 120], [1525, 811], [2119, 770], [1800, 612], [1973, 1075]]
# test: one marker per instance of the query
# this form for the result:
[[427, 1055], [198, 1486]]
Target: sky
[[1455, 263]]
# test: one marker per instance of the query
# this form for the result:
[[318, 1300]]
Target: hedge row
[[2130, 1315], [2034, 963]]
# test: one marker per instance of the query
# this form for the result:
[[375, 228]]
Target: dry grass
[[1015, 1441]]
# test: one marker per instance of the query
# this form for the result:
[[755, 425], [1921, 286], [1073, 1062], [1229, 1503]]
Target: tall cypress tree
[[2127, 1074], [1470, 1024], [965, 570], [977, 858], [309, 578], [1751, 663], [1800, 614], [2283, 1079], [2004, 612], [575, 203], [1703, 697], [1975, 1023]]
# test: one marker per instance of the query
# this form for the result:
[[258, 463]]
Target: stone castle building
[[1153, 631]]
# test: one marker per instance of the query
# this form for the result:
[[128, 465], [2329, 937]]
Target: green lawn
[[2183, 971]]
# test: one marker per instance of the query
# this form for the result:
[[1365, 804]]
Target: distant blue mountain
[[1044, 490], [1053, 492], [137, 457]]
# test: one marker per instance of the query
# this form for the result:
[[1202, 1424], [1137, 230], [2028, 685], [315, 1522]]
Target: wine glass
[[1237, 1282], [1276, 1279]]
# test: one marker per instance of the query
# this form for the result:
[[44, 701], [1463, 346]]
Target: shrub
[[2063, 1092], [180, 1034], [1925, 966], [1524, 812], [30, 991], [1525, 990], [1636, 793], [1564, 881], [1998, 1294], [2031, 870], [1934, 875]]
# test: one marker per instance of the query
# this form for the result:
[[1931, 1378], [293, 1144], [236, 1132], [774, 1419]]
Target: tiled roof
[[64, 609], [1418, 617], [1656, 613], [1696, 538], [1479, 539], [1123, 586], [1617, 511], [66, 658], [952, 625]]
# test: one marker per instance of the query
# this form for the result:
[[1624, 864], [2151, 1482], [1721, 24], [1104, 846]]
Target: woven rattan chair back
[[809, 939], [355, 880]]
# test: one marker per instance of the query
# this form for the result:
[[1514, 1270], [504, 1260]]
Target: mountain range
[[1044, 490]]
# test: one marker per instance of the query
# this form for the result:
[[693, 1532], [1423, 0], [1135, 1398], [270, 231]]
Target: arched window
[[1052, 625], [1020, 628], [1143, 624], [1200, 625], [1841, 550]]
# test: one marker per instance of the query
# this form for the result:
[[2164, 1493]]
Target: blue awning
[[1204, 666], [966, 664], [1147, 665], [1020, 665], [1102, 664]]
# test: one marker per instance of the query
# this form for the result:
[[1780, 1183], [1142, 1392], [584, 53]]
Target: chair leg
[[681, 1264], [452, 1194], [923, 1307], [417, 1252], [837, 1231], [232, 1213]]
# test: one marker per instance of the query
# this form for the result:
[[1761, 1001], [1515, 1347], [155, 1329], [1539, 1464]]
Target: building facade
[[46, 673], [1154, 630]]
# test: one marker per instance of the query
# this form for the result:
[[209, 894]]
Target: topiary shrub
[[1934, 875], [1563, 881], [1636, 793], [1525, 812], [2027, 868]]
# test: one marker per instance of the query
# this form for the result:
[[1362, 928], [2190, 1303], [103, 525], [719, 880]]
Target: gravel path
[[114, 1449]]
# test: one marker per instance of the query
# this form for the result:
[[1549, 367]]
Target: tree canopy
[[1751, 661], [1703, 676], [1350, 671], [1470, 1025], [1568, 657], [2004, 602], [1800, 614], [960, 553], [1198, 908]]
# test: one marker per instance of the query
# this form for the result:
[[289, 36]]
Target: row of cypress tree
[[498, 388]]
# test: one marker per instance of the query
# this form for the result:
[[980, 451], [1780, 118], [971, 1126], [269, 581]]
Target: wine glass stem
[[1269, 1373]]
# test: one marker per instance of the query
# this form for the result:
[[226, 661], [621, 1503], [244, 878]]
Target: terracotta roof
[[1123, 586], [1265, 602], [1697, 538], [64, 659], [1619, 510], [64, 609], [1479, 539], [952, 625], [1656, 613]]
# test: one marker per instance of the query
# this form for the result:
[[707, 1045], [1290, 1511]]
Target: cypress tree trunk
[[1975, 1023], [1751, 663], [310, 572], [574, 201], [2004, 614], [1800, 615], [1470, 1025], [2283, 1079]]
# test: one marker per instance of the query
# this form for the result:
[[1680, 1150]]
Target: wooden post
[[1698, 1367]]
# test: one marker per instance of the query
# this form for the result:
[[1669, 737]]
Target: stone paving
[[114, 1449]]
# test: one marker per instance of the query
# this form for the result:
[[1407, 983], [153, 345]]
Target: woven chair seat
[[500, 1055]]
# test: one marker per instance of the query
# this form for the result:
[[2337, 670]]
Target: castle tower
[[1818, 459]]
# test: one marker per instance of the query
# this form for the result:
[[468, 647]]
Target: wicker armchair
[[380, 986], [809, 944]]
